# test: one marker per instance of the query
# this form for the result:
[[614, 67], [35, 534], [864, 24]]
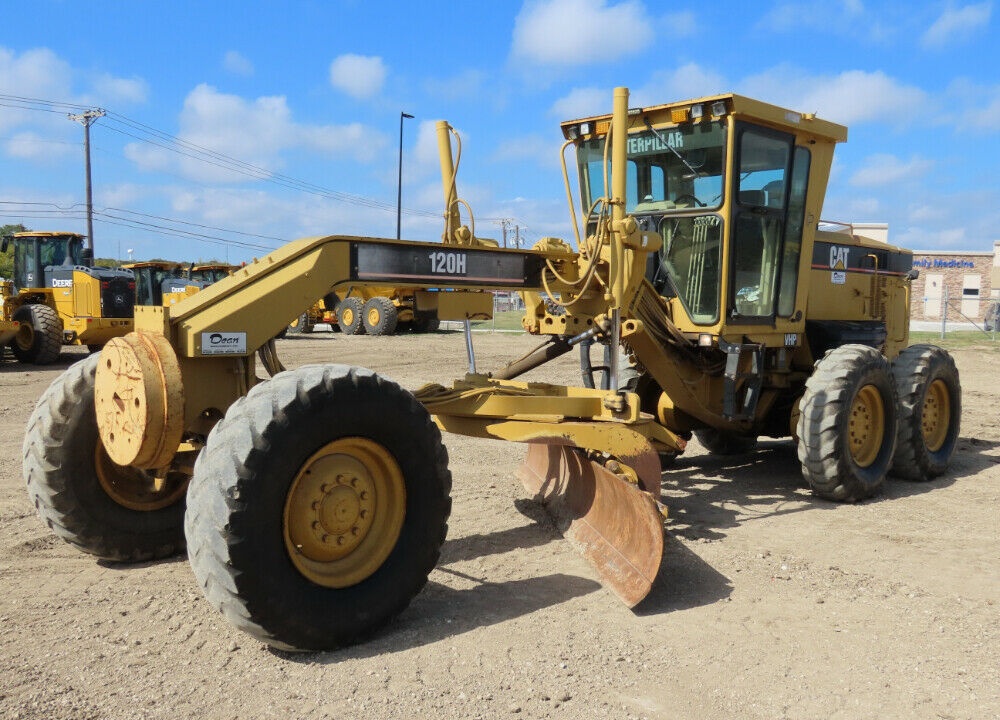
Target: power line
[[141, 132]]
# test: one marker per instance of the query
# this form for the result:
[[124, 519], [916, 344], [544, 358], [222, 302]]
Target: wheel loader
[[59, 298], [313, 504]]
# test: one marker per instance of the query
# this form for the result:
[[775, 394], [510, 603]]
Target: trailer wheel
[[380, 316], [39, 337], [318, 507], [349, 314], [116, 513], [930, 410], [847, 424], [718, 442]]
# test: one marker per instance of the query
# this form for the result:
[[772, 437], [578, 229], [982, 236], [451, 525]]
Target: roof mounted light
[[719, 108], [697, 111], [573, 132], [678, 115]]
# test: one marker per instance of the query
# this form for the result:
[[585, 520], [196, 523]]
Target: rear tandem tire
[[276, 533], [39, 340], [847, 426], [99, 507], [930, 401], [349, 313], [380, 316]]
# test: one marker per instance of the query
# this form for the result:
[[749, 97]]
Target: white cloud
[[972, 105], [359, 76], [567, 33], [845, 18], [41, 73], [112, 91], [851, 97], [955, 24], [582, 102], [543, 151], [237, 64], [883, 169], [32, 146], [687, 81], [252, 131], [466, 85]]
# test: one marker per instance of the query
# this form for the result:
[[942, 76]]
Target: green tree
[[7, 258]]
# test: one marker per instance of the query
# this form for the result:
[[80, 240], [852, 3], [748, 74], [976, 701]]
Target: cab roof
[[46, 233], [716, 106]]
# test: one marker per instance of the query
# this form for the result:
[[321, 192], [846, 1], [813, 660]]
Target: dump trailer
[[372, 310], [59, 298], [314, 504]]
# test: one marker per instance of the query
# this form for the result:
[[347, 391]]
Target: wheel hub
[[344, 512], [137, 489], [866, 426], [935, 416], [373, 316]]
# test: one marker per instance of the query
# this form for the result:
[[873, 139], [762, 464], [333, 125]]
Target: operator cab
[[37, 255], [724, 181]]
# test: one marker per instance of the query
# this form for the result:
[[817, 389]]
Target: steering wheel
[[696, 201]]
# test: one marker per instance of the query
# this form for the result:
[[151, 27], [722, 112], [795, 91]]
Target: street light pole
[[399, 187]]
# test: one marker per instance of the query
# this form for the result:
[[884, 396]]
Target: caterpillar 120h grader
[[59, 298], [313, 504]]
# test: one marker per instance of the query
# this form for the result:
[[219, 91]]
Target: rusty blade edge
[[616, 526]]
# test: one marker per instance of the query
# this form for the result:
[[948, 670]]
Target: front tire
[[930, 401], [39, 339], [116, 513], [847, 424], [318, 507]]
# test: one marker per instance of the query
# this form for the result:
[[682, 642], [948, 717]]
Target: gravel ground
[[770, 603]]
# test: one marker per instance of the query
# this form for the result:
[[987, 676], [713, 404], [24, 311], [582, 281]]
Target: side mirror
[[4, 243]]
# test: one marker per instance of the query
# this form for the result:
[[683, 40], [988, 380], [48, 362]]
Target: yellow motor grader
[[313, 504]]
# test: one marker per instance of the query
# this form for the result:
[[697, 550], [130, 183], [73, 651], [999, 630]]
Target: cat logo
[[838, 257]]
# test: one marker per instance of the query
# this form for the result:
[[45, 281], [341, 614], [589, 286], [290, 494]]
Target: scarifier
[[317, 501]]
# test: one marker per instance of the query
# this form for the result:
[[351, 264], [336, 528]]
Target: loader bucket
[[614, 524]]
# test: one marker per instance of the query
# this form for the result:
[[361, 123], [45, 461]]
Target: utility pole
[[87, 119], [504, 222], [517, 236]]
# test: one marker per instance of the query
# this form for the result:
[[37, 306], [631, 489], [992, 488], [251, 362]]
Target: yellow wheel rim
[[866, 426], [935, 416], [137, 489], [347, 315], [373, 315], [344, 512]]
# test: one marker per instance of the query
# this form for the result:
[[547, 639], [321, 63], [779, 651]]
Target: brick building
[[969, 281]]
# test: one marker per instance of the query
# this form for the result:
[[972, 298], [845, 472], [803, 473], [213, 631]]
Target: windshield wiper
[[670, 147]]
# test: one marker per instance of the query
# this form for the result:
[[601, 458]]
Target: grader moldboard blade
[[615, 525]]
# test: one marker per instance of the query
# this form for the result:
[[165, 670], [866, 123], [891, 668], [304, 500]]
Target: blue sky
[[310, 93]]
